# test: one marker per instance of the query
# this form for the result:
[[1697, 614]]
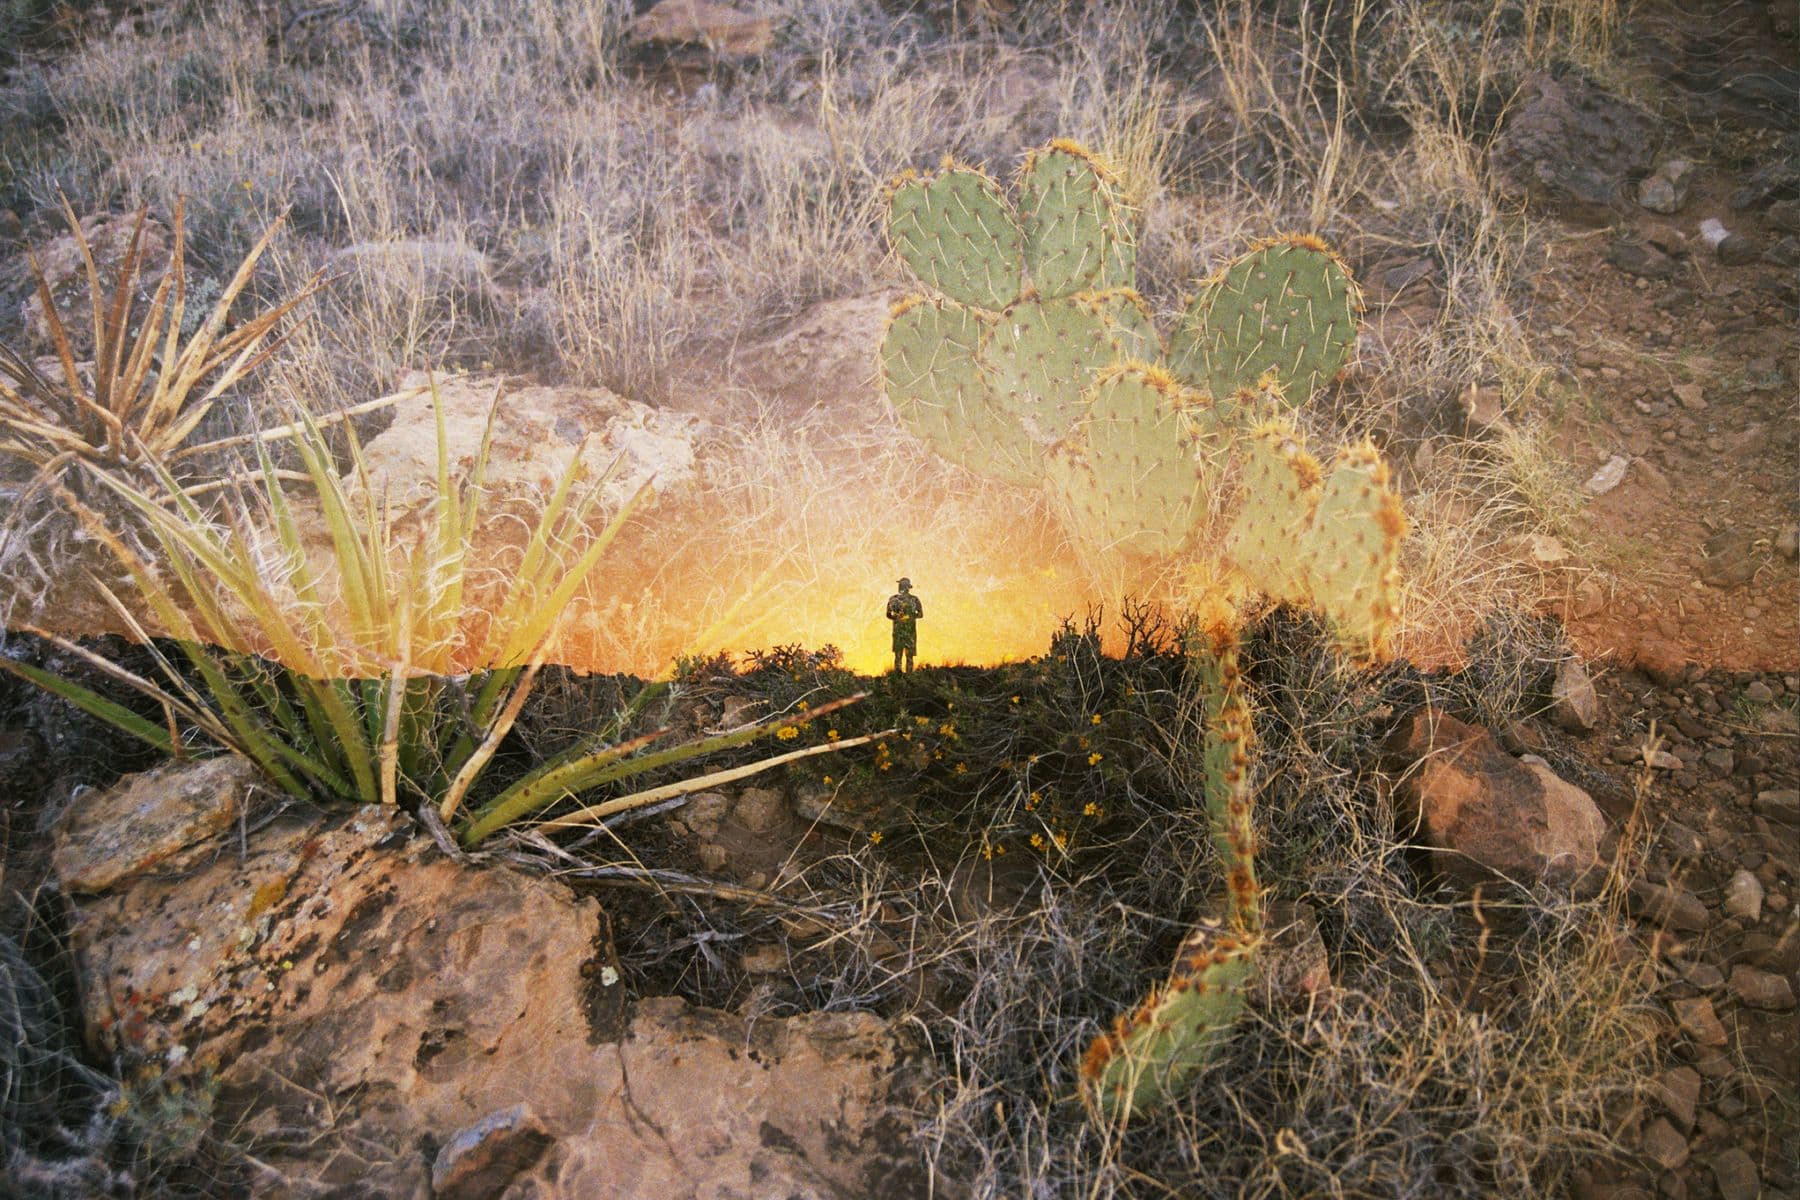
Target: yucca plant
[[384, 665], [150, 386]]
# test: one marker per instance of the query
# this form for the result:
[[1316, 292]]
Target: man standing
[[905, 611]]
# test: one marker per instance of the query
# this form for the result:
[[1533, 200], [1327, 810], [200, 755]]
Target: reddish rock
[[1698, 1020], [341, 957], [1484, 812]]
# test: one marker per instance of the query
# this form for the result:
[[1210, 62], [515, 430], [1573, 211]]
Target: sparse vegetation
[[526, 192]]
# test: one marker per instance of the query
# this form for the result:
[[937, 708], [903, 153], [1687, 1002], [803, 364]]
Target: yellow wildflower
[[1037, 841], [787, 733], [1096, 718], [1090, 809], [1094, 758], [875, 837]]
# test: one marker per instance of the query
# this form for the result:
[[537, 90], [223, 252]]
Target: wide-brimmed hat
[[905, 582]]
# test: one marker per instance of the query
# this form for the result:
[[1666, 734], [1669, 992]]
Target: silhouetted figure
[[905, 611]]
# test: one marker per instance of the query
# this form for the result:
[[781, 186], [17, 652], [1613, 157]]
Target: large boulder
[[373, 1011], [537, 430], [1573, 147], [1484, 813]]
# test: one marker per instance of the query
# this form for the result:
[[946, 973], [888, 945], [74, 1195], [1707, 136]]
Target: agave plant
[[385, 665], [150, 385]]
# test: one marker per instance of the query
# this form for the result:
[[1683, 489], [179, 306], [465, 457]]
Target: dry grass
[[575, 212]]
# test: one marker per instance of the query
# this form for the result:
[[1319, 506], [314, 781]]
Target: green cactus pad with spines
[[932, 371], [1351, 552], [1141, 450], [959, 235], [1278, 487], [1077, 231], [1133, 325], [1044, 354], [1329, 542], [1288, 305], [1150, 1055]]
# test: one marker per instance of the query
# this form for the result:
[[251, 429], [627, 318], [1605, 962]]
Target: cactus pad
[[1289, 305], [931, 369], [1044, 354], [959, 235], [1328, 542], [1077, 236], [1140, 481], [1351, 551], [1150, 1054]]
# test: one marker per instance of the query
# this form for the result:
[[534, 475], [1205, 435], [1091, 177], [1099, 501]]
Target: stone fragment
[[1640, 259], [1671, 907], [1730, 559], [1697, 1019], [1737, 250], [1735, 1175], [760, 809], [1691, 396], [1664, 1145], [337, 957], [1575, 705], [148, 821], [1744, 896], [1778, 804], [1665, 190], [1761, 989], [1787, 542], [478, 1162], [1572, 146], [1720, 759], [1484, 812], [724, 31], [1678, 1089], [1610, 474], [1758, 692]]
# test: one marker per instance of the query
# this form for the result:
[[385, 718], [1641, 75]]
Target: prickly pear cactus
[[1077, 235], [959, 235], [1147, 456], [1149, 1054], [1047, 283], [1287, 305], [1330, 542]]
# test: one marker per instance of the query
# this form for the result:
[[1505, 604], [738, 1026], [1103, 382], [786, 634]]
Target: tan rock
[[720, 28], [344, 979], [1484, 812], [1574, 703], [537, 430], [148, 821]]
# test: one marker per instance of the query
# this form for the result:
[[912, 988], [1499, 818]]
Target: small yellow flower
[[921, 721], [1015, 699], [1090, 809], [947, 729], [1096, 718], [787, 733], [831, 735], [1037, 841], [962, 768], [1060, 840], [999, 849], [1094, 758], [803, 706], [987, 851], [875, 837]]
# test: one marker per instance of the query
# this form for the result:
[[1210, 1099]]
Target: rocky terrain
[[1551, 855]]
